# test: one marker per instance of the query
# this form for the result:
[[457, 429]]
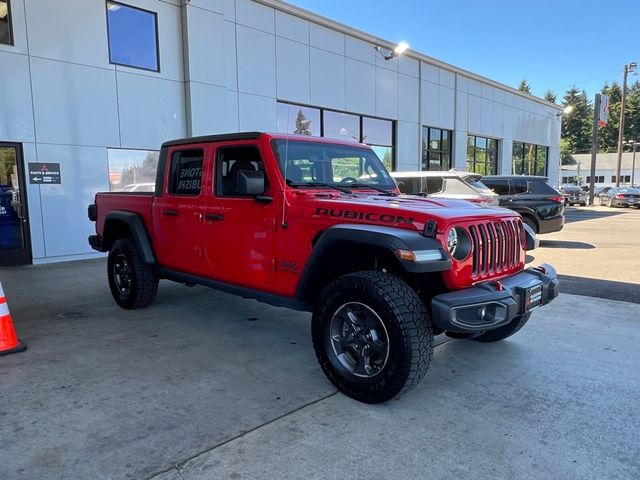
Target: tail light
[[619, 195], [482, 200], [559, 199]]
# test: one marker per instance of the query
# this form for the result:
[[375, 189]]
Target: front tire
[[133, 283], [505, 331], [372, 336]]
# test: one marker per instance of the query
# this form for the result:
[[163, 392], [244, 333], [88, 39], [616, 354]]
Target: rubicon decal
[[370, 216]]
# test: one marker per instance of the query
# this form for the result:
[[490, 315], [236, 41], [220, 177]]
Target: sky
[[552, 44]]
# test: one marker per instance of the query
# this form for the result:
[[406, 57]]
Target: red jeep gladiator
[[319, 225]]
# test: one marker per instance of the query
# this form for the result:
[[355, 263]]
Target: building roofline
[[354, 32]]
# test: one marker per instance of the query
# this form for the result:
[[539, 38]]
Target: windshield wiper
[[318, 184], [382, 190]]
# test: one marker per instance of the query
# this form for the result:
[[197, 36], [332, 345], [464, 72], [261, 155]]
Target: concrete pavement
[[206, 385]]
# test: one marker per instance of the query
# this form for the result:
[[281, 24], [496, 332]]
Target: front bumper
[[492, 304]]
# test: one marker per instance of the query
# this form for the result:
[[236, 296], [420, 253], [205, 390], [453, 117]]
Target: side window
[[519, 186], [232, 160], [433, 185], [186, 172], [501, 187]]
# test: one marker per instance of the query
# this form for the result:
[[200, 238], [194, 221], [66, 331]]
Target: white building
[[96, 86], [606, 168]]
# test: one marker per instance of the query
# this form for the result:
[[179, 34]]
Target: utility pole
[[627, 68], [594, 146], [634, 145]]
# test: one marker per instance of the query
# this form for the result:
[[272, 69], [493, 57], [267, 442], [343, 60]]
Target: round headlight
[[452, 241], [458, 243]]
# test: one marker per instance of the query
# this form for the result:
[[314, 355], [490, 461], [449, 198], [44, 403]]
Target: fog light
[[479, 316]]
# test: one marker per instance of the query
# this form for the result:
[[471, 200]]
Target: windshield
[[310, 163]]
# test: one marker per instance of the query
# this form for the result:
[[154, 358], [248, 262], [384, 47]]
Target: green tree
[[524, 86], [302, 124], [608, 136], [577, 125], [565, 153], [632, 114], [549, 96]]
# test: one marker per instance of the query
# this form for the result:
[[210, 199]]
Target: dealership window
[[6, 35], [318, 122], [133, 36], [132, 170], [597, 179], [568, 180], [529, 159], [482, 155], [623, 178], [436, 149]]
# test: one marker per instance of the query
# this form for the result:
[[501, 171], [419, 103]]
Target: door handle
[[214, 216], [170, 213]]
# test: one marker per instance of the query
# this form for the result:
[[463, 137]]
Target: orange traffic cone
[[9, 342]]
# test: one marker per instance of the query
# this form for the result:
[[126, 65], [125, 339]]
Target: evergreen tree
[[302, 124], [549, 96], [524, 86], [608, 136], [632, 114], [577, 126]]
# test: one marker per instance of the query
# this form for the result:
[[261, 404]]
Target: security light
[[399, 50]]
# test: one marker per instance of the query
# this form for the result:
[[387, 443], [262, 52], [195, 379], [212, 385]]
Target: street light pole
[[627, 68], [633, 164]]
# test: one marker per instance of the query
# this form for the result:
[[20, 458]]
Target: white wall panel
[[430, 104], [327, 79], [386, 93], [16, 113], [504, 157], [34, 204], [409, 66], [460, 150], [408, 98], [257, 113], [360, 50], [430, 73], [487, 92], [498, 120], [408, 152], [447, 78], [68, 30], [208, 109], [508, 122], [229, 56], [151, 110], [463, 83], [326, 39], [498, 95], [226, 7], [256, 62], [291, 27], [462, 109], [231, 107], [361, 87], [292, 71], [74, 104], [255, 15], [18, 29], [486, 115], [391, 64], [446, 108], [205, 30], [475, 114], [83, 172], [475, 88], [509, 99]]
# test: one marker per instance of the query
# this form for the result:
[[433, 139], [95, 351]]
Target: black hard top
[[213, 138], [515, 177]]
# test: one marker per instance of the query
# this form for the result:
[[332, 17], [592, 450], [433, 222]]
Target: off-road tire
[[406, 323], [506, 331], [143, 280]]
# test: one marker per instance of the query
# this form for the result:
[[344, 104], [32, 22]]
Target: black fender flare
[[138, 230], [387, 238]]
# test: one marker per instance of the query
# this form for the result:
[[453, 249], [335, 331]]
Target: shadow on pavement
[[572, 214], [566, 244], [593, 287]]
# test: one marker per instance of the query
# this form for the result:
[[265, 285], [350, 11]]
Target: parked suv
[[539, 204], [450, 184], [574, 195]]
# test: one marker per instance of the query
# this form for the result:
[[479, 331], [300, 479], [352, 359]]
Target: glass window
[[529, 159], [132, 170], [482, 155], [133, 36], [436, 149], [541, 161], [186, 172], [385, 154], [6, 35], [232, 160], [499, 186], [298, 119], [519, 186], [341, 126], [377, 132]]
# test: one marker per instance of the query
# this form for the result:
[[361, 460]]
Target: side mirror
[[250, 183]]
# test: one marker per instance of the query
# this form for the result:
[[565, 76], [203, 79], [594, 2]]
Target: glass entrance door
[[14, 226]]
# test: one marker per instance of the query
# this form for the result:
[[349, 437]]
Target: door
[[15, 248], [238, 230], [177, 214]]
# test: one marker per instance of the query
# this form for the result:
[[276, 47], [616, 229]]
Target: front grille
[[495, 246]]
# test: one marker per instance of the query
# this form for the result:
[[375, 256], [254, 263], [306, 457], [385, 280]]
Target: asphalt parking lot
[[203, 385]]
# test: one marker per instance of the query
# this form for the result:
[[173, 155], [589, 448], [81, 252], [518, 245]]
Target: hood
[[404, 210]]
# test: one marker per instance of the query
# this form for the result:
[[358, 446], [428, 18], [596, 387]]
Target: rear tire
[[132, 282], [372, 336], [531, 223], [506, 331]]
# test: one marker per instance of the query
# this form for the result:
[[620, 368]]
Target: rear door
[[178, 213]]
